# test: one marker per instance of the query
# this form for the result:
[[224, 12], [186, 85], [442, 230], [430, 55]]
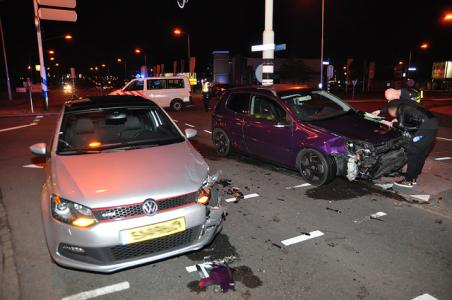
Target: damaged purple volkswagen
[[311, 131]]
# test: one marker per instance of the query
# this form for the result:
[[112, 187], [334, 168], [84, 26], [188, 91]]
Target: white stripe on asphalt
[[301, 238], [443, 158], [378, 214], [425, 297], [207, 131], [203, 266], [443, 139], [244, 197], [39, 117], [189, 125], [33, 166], [100, 291], [18, 127], [298, 186]]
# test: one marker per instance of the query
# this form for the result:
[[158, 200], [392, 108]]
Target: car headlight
[[71, 213], [204, 196]]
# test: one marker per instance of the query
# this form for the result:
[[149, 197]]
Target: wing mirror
[[283, 124], [190, 133], [39, 149]]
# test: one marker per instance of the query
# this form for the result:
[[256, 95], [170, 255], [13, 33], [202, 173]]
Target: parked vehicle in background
[[218, 89], [173, 92], [124, 186], [312, 131]]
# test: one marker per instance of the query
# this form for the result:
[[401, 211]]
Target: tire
[[315, 168], [177, 105], [221, 142]]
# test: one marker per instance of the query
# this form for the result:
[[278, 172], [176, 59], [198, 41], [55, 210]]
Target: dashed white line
[[301, 238], [100, 291], [189, 125], [17, 127], [443, 139], [244, 197], [33, 166], [207, 131], [298, 186], [425, 297], [442, 158]]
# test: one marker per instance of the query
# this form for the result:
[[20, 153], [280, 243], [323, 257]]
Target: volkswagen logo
[[150, 207]]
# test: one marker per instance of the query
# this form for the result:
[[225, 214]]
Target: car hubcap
[[177, 106], [312, 167]]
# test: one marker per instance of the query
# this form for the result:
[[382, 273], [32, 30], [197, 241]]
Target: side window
[[239, 103], [175, 83], [136, 85], [156, 84], [267, 109]]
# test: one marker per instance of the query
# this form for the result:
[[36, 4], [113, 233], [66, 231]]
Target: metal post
[[8, 81], [189, 55], [268, 39], [125, 69], [45, 94], [322, 44], [410, 55]]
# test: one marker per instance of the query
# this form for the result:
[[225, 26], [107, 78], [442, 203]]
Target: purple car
[[309, 130]]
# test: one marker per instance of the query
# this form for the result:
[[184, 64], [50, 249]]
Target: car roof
[[94, 102], [276, 89]]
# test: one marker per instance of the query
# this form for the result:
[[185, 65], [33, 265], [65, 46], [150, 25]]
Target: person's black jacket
[[411, 116]]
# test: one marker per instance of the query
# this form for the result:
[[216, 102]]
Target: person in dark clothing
[[400, 96], [422, 127]]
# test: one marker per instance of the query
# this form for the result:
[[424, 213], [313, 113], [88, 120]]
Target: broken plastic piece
[[335, 210], [219, 275]]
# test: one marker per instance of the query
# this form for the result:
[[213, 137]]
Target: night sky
[[378, 30]]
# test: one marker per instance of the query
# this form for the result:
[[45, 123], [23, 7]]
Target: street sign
[[57, 14], [259, 48], [258, 72], [58, 3], [73, 76], [354, 82], [330, 72], [280, 47]]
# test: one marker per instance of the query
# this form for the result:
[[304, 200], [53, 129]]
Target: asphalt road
[[405, 254]]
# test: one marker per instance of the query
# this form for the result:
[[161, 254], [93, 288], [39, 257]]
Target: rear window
[[175, 84], [158, 84], [239, 103]]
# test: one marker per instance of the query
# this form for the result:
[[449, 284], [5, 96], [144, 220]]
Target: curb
[[9, 280]]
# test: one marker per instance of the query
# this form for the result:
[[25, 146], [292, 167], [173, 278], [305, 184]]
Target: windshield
[[115, 128], [315, 105]]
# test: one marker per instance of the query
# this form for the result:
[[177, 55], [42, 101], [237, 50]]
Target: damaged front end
[[367, 161]]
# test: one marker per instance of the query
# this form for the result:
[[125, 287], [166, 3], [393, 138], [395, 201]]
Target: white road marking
[[18, 127], [100, 291], [443, 139], [424, 198], [176, 121], [244, 197], [443, 158], [207, 131], [425, 297], [39, 117], [301, 238], [298, 186], [189, 125], [33, 166], [378, 214]]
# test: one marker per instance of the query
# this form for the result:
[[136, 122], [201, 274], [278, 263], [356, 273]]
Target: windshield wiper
[[78, 151], [130, 147]]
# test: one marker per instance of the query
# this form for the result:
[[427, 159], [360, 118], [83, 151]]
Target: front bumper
[[103, 251]]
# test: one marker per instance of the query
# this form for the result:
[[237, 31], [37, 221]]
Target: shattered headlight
[[205, 191], [71, 213]]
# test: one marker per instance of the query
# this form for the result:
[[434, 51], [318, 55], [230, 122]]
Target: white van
[[173, 92]]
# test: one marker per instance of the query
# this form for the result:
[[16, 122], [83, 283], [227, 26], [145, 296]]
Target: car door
[[238, 107], [156, 91], [268, 131]]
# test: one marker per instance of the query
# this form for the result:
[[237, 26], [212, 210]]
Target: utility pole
[[268, 39], [8, 81], [45, 94], [322, 44]]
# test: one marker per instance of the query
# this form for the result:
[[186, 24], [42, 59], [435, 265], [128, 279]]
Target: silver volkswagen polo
[[123, 186]]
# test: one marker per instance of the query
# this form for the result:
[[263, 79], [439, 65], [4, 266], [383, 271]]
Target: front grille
[[121, 253], [122, 212]]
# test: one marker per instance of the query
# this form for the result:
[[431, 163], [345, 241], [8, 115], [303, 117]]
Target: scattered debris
[[224, 182], [219, 275], [421, 198], [332, 244], [385, 186], [334, 209], [439, 221], [376, 216]]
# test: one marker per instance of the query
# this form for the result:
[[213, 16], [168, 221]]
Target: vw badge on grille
[[150, 207]]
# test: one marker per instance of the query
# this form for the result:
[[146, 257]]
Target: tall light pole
[[139, 51], [268, 38], [45, 94], [8, 81], [180, 32], [322, 44]]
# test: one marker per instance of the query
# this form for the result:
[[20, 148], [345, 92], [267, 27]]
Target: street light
[[51, 52], [179, 32], [120, 60], [138, 51], [52, 58], [447, 17], [424, 46], [68, 37]]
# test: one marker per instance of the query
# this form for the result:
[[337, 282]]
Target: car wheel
[[316, 168], [177, 105], [221, 142]]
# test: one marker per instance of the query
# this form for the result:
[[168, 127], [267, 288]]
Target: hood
[[125, 177], [354, 126]]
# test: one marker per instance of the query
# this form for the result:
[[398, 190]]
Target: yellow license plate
[[153, 231]]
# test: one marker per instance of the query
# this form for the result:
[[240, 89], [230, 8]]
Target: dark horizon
[[383, 31]]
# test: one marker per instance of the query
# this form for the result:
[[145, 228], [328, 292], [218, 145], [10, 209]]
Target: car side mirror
[[39, 149], [283, 124], [190, 133]]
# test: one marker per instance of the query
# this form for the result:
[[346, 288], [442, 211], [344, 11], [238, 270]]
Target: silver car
[[123, 186]]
